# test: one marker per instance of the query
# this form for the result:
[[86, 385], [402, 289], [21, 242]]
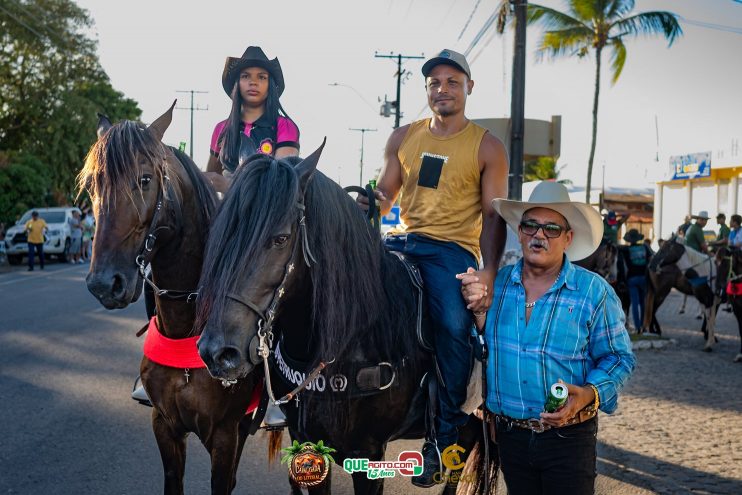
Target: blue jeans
[[39, 248], [439, 262], [637, 292]]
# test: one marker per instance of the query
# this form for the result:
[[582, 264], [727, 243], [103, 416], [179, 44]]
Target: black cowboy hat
[[253, 57], [633, 235]]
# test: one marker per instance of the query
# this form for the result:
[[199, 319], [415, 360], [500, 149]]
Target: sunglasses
[[550, 230]]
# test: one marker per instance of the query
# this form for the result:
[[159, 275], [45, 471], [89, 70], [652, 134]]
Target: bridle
[[146, 252], [263, 341]]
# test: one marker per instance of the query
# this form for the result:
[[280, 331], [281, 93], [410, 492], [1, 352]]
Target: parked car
[[58, 234]]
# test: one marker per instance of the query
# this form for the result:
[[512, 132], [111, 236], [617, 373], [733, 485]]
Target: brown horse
[[152, 206]]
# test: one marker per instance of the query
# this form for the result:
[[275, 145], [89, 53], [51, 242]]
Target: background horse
[[152, 205], [730, 281], [297, 257], [676, 265]]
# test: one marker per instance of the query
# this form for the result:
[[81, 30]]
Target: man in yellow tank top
[[446, 170]]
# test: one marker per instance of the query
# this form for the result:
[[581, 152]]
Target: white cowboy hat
[[702, 214], [583, 219]]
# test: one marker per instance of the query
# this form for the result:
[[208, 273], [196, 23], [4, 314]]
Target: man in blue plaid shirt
[[551, 321]]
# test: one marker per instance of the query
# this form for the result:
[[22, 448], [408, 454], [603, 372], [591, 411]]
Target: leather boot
[[431, 466]]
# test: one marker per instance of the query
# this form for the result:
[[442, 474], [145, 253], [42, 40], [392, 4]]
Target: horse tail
[[483, 460], [275, 439]]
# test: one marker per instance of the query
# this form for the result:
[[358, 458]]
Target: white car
[[58, 235]]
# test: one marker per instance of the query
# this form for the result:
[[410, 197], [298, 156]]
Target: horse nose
[[218, 356], [228, 358], [118, 288]]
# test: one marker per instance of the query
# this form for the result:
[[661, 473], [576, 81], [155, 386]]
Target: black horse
[[676, 265], [729, 281], [291, 263]]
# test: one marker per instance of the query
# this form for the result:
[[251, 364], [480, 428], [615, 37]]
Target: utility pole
[[399, 58], [363, 131], [518, 101], [192, 109]]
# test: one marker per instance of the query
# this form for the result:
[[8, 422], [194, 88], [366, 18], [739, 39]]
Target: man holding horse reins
[[552, 325], [445, 170]]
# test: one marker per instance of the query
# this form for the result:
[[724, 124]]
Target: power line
[[711, 25], [471, 16], [487, 25]]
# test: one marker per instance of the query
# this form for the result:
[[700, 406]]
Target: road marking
[[28, 278]]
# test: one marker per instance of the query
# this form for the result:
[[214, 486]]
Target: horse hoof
[[707, 349], [738, 358]]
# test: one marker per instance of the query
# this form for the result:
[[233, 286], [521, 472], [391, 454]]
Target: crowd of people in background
[[634, 256]]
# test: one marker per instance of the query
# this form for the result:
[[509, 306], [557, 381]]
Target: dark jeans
[[439, 262], [637, 292], [39, 248], [558, 461]]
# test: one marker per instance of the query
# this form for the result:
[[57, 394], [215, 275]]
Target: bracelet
[[479, 313], [596, 404]]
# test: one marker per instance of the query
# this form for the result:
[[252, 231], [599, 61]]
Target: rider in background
[[694, 237], [633, 261], [254, 83], [612, 225]]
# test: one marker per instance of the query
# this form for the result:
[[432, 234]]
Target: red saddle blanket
[[182, 353], [734, 288]]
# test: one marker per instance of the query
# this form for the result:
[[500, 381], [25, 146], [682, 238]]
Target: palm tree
[[597, 24]]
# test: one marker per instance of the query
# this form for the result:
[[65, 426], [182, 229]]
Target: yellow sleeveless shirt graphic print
[[441, 185]]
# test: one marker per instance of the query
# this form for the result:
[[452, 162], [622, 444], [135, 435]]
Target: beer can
[[557, 397]]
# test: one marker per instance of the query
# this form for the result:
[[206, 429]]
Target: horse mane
[[205, 194], [358, 292], [111, 161]]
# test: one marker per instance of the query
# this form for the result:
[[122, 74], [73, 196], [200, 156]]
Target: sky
[[152, 49]]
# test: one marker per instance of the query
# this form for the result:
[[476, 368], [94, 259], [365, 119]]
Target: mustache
[[542, 243]]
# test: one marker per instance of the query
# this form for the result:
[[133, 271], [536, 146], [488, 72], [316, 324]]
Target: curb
[[643, 344]]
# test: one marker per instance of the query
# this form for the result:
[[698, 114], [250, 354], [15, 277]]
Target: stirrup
[[139, 394], [274, 418]]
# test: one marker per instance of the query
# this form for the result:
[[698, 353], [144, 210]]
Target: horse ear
[[307, 166], [103, 125], [160, 125]]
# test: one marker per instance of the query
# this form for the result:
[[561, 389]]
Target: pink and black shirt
[[266, 137]]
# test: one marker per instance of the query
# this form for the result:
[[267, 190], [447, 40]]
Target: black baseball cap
[[448, 57]]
